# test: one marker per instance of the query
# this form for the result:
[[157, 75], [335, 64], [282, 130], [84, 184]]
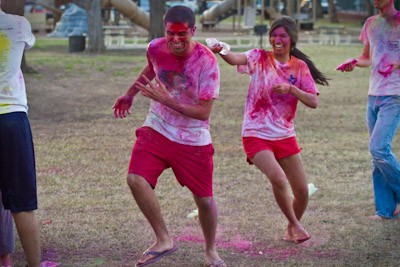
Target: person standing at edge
[[279, 80], [381, 38], [17, 159], [176, 131]]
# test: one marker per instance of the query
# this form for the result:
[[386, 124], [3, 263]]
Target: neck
[[282, 58], [387, 11]]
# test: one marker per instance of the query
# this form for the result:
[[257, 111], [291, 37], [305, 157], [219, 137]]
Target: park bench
[[329, 35], [119, 35]]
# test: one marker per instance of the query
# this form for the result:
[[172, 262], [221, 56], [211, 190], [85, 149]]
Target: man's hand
[[156, 91], [122, 106]]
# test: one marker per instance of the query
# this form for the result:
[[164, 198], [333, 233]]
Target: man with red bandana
[[381, 39], [182, 80]]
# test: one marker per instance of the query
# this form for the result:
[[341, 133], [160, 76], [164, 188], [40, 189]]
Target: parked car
[[40, 18]]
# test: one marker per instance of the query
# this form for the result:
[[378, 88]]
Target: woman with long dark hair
[[279, 79]]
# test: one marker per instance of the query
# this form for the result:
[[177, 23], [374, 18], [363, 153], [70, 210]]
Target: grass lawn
[[89, 218]]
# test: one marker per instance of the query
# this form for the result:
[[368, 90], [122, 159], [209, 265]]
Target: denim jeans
[[383, 118]]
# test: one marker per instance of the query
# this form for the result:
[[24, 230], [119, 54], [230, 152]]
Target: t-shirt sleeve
[[26, 34], [363, 35], [307, 81], [246, 69], [209, 78]]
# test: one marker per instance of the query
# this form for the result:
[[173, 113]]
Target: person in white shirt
[[17, 159]]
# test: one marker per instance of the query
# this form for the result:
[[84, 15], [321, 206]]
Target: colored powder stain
[[238, 244], [263, 250], [261, 105], [281, 253], [49, 264], [5, 46], [190, 238]]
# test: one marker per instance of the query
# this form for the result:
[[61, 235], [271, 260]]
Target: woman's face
[[280, 41]]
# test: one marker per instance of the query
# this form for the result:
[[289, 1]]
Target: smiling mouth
[[177, 46]]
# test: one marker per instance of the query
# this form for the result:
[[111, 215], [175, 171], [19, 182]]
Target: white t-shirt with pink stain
[[15, 36], [189, 80], [384, 41], [269, 115]]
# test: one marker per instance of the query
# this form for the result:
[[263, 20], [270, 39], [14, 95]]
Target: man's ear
[[194, 30]]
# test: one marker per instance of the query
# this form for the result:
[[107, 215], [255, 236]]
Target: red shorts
[[281, 148], [192, 165]]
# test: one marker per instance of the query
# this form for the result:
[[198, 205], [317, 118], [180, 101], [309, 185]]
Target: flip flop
[[216, 263], [157, 256]]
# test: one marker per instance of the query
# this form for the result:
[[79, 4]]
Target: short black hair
[[180, 14]]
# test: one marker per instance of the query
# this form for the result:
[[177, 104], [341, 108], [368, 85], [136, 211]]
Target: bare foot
[[397, 210], [6, 260], [288, 234], [375, 217], [300, 235]]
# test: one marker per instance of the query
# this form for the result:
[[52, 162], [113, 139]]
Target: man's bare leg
[[147, 201], [208, 217]]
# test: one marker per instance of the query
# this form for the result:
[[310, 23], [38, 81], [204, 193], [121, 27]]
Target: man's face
[[380, 4], [179, 37]]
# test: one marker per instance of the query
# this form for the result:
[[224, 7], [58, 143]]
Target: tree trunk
[[320, 12], [95, 34], [332, 12], [157, 11]]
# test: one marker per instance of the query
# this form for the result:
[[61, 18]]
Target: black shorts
[[17, 163]]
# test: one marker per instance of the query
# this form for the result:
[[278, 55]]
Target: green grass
[[82, 155]]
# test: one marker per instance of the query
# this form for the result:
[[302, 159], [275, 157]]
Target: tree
[[332, 12], [157, 11], [95, 34], [319, 11]]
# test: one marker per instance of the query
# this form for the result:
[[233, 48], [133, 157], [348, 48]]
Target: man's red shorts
[[192, 165], [281, 148]]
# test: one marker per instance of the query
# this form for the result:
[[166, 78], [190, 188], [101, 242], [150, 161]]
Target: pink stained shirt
[[384, 42], [268, 115], [189, 80]]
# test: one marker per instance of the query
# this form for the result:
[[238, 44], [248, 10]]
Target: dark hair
[[180, 14], [291, 28]]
